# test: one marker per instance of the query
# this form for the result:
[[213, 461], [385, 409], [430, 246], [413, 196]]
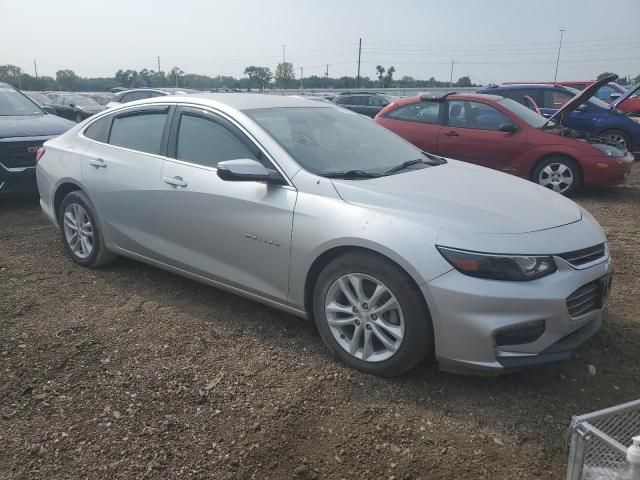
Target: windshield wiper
[[347, 174], [406, 164]]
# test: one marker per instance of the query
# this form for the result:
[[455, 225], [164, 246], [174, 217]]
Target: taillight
[[40, 153]]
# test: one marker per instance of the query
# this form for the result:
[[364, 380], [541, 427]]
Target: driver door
[[234, 232]]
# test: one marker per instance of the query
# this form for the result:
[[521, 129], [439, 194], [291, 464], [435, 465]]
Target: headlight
[[635, 119], [499, 267], [609, 150]]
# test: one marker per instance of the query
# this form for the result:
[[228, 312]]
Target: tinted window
[[141, 131], [476, 115], [207, 142], [605, 92], [524, 97], [376, 101], [344, 100], [99, 130], [425, 112], [555, 98]]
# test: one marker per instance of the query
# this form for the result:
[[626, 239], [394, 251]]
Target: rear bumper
[[17, 179]]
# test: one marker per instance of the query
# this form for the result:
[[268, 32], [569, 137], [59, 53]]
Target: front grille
[[584, 256], [585, 299], [17, 154]]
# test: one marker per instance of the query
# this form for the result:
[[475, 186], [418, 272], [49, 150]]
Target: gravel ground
[[132, 372]]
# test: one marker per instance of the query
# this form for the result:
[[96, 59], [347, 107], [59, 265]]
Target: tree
[[388, 78], [464, 82], [284, 74], [606, 74], [11, 74], [66, 79], [380, 71], [175, 74], [258, 76]]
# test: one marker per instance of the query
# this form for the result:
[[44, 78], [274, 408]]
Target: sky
[[489, 40]]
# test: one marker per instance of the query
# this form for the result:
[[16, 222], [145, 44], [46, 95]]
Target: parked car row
[[318, 211]]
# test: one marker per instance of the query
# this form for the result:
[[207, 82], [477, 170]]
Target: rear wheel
[[558, 173], [371, 315], [618, 137], [80, 232]]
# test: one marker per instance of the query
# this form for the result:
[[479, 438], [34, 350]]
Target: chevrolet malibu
[[317, 211]]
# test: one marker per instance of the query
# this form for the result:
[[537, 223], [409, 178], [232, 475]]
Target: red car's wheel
[[558, 173]]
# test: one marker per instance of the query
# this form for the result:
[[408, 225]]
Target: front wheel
[[560, 174], [618, 137], [371, 315]]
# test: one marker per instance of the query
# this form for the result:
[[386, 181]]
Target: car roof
[[452, 96], [517, 86], [238, 101]]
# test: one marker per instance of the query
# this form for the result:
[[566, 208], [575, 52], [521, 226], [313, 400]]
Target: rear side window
[[207, 142], [377, 101], [99, 130], [344, 100], [555, 98], [523, 96], [423, 112], [139, 131]]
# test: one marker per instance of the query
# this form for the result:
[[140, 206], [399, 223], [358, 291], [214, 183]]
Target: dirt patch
[[130, 371]]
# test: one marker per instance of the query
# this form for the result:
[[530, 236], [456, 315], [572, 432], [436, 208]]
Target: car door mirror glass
[[247, 170], [508, 128]]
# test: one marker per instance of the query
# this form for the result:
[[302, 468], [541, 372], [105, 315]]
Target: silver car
[[315, 210]]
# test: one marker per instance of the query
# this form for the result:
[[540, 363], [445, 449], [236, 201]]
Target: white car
[[317, 211]]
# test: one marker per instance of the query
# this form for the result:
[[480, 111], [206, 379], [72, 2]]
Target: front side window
[[207, 142], [376, 101], [555, 98], [139, 131], [327, 140], [423, 112], [344, 100], [476, 115], [605, 92]]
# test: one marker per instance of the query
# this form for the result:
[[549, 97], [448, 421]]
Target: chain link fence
[[599, 442]]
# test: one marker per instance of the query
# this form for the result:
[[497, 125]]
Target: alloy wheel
[[364, 317], [618, 138], [78, 230], [557, 177]]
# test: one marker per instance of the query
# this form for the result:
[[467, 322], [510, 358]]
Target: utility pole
[[326, 75], [301, 76], [555, 77], [451, 76], [284, 49], [159, 69], [359, 56], [35, 67]]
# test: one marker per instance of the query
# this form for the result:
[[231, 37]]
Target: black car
[[42, 100], [365, 103], [76, 107], [24, 127]]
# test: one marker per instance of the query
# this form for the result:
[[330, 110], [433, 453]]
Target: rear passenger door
[[236, 233], [419, 123], [122, 169]]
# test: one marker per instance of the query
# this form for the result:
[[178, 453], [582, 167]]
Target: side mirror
[[72, 105], [614, 95], [49, 109], [247, 170], [508, 128]]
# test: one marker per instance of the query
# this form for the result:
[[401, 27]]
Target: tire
[[88, 250], [619, 137], [558, 173], [407, 329], [79, 117]]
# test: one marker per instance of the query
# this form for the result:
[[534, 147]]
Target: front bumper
[[468, 314], [611, 171]]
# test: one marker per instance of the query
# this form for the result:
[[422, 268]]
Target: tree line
[[256, 77]]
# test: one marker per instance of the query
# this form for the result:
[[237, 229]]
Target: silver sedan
[[315, 210]]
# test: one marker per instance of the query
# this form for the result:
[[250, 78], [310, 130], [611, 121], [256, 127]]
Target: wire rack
[[599, 441]]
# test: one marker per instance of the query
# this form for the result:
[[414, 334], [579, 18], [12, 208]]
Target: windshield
[[526, 114], [593, 100], [13, 102], [326, 140]]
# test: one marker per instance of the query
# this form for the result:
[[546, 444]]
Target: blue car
[[594, 117]]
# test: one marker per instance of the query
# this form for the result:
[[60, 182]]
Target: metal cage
[[599, 441]]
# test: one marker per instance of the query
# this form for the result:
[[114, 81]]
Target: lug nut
[[374, 316], [357, 322], [355, 309], [365, 306], [368, 326]]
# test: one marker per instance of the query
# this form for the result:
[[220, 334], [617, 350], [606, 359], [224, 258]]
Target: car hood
[[33, 126], [458, 196], [622, 98], [564, 111]]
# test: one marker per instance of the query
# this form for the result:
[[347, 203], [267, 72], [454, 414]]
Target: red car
[[502, 134], [611, 92]]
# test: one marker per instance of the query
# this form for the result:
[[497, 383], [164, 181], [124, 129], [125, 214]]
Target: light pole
[[451, 76], [555, 77], [284, 48]]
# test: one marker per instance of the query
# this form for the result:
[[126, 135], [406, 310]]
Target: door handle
[[98, 163], [451, 134], [175, 181]]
